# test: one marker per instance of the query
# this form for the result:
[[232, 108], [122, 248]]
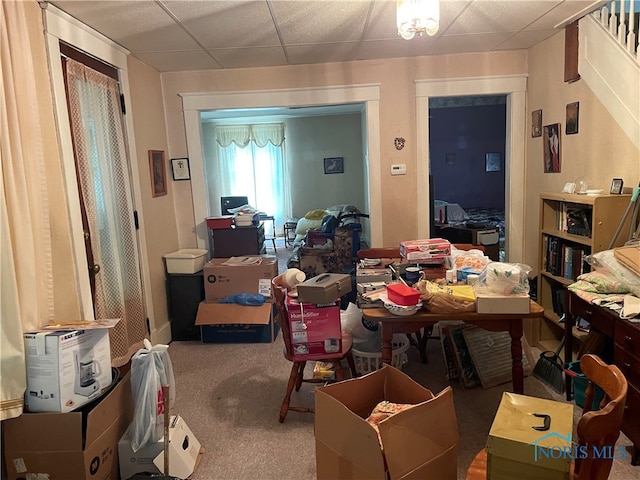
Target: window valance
[[241, 135]]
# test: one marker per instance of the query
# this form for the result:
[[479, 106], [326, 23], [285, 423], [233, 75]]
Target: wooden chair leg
[[293, 379], [352, 365], [300, 377], [339, 371]]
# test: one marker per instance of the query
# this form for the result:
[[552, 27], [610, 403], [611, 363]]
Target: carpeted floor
[[230, 395]]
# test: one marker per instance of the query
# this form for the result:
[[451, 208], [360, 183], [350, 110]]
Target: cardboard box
[[514, 448], [231, 323], [315, 330], [427, 249], [187, 260], [419, 442], [248, 274], [184, 449], [366, 275], [400, 294], [370, 286], [502, 303], [76, 445], [325, 288], [67, 368]]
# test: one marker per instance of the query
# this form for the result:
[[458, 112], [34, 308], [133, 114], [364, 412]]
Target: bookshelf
[[572, 226]]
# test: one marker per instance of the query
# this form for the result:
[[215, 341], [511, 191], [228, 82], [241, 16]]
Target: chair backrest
[[280, 294], [598, 430]]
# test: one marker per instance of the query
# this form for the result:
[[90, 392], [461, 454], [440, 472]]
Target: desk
[[511, 323]]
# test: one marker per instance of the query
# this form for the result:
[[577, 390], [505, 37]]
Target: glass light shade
[[417, 17]]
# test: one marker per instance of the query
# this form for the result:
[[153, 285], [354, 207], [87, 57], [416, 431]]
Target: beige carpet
[[230, 397]]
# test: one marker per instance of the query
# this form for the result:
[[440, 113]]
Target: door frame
[[369, 95], [514, 87], [59, 26]]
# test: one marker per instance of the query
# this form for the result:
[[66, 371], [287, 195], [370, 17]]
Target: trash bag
[[150, 369], [250, 299]]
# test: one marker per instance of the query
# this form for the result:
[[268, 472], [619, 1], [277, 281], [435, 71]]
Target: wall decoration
[[616, 186], [493, 162], [551, 145], [572, 117], [536, 123], [158, 173], [334, 165], [180, 168], [399, 143]]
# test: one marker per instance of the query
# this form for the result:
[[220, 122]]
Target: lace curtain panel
[[241, 135], [94, 108]]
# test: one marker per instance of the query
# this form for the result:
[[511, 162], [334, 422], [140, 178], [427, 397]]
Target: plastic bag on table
[[500, 278], [150, 369], [446, 299]]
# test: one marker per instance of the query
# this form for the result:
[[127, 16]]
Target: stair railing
[[620, 19]]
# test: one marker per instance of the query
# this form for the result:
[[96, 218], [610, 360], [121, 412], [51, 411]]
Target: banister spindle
[[631, 36], [622, 29], [613, 20]]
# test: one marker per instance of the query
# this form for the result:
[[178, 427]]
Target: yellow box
[[324, 371]]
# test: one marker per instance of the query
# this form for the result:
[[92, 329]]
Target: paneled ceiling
[[222, 34]]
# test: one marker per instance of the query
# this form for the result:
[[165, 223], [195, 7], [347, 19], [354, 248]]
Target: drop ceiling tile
[[525, 39], [178, 61], [482, 42], [249, 57], [303, 22], [226, 24], [373, 49], [328, 52], [138, 26]]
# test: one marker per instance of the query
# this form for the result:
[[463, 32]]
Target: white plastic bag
[[150, 369]]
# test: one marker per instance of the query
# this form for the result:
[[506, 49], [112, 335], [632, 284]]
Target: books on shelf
[[563, 259], [575, 219]]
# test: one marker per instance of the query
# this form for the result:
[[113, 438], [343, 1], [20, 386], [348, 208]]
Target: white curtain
[[26, 301], [249, 160], [94, 108]]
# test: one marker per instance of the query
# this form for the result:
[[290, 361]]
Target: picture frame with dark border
[[536, 123], [572, 118], [493, 162], [616, 186], [158, 173], [551, 143], [180, 168], [333, 165]]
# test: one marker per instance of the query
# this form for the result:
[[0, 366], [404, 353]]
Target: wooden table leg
[[517, 371], [387, 346]]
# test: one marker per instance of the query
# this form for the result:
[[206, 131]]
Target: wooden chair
[[426, 334], [596, 429], [296, 377]]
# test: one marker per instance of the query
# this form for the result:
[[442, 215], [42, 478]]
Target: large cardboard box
[[417, 443], [232, 323], [67, 368], [515, 449], [184, 449], [502, 303], [249, 274], [315, 330], [76, 445], [324, 288]]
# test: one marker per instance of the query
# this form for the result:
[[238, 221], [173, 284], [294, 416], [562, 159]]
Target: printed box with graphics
[[229, 276], [315, 330], [184, 449], [67, 368], [432, 249]]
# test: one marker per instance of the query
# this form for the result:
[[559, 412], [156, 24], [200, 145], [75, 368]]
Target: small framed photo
[[572, 118], [492, 162], [334, 165], [551, 146], [616, 186], [536, 123], [180, 168], [158, 173]]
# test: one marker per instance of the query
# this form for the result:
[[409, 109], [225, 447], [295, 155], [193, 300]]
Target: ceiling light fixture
[[417, 17]]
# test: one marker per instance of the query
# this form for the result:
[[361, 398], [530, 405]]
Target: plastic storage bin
[[367, 362], [580, 382], [188, 260]]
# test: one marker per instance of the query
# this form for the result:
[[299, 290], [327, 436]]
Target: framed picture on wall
[[334, 165], [572, 117], [180, 168], [158, 173], [493, 162], [536, 123], [551, 146]]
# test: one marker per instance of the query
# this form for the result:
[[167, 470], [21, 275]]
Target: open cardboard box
[[420, 442], [232, 323], [77, 445]]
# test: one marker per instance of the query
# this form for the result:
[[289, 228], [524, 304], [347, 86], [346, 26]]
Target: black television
[[227, 203]]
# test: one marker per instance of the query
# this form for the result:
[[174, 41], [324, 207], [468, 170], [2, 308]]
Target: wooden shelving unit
[[572, 226]]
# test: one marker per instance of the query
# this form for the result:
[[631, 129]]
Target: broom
[[549, 369]]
